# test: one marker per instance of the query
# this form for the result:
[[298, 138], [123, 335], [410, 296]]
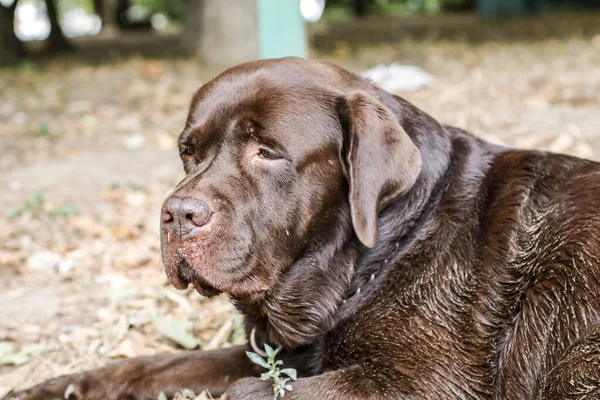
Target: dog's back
[[546, 270], [497, 286]]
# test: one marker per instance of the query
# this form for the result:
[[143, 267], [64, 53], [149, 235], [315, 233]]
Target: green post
[[281, 30]]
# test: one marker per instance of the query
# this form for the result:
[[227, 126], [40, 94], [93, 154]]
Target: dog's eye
[[267, 154], [186, 152]]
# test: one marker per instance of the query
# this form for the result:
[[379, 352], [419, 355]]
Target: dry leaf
[[177, 330]]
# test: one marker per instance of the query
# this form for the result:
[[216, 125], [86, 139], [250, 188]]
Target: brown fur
[[390, 256]]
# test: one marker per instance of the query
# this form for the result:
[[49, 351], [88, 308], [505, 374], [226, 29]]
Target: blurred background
[[93, 94]]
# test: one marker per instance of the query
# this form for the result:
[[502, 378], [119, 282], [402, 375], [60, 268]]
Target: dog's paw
[[72, 387], [67, 387]]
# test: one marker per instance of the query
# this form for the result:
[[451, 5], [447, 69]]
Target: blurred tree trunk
[[105, 9], [11, 48], [99, 9], [458, 5], [57, 41], [360, 8], [213, 28]]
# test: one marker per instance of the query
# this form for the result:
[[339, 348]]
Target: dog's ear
[[382, 162]]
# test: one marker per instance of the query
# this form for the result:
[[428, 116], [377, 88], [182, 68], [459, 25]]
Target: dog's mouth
[[200, 284], [181, 274], [206, 289]]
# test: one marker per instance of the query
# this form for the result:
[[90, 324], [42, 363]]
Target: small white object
[[42, 260], [159, 21], [15, 186], [134, 141], [69, 391], [312, 10], [397, 77], [65, 266]]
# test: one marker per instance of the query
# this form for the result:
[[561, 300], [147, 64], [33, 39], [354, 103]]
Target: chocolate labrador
[[389, 256]]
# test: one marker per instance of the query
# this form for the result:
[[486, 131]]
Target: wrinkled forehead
[[286, 107]]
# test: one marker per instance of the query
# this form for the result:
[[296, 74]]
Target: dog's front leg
[[355, 383], [144, 378]]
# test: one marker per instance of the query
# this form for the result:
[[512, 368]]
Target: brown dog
[[391, 257]]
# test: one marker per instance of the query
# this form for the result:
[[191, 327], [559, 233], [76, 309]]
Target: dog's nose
[[186, 213]]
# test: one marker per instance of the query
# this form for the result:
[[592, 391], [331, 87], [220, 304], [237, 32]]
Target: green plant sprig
[[280, 377]]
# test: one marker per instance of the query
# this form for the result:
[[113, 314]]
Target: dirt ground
[[88, 154]]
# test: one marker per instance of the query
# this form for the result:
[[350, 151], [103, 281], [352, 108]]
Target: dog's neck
[[403, 217], [306, 302]]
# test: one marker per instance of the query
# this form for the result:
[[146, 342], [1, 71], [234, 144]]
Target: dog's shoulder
[[546, 176], [542, 204]]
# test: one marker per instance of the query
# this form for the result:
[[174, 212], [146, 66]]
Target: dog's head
[[280, 155]]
